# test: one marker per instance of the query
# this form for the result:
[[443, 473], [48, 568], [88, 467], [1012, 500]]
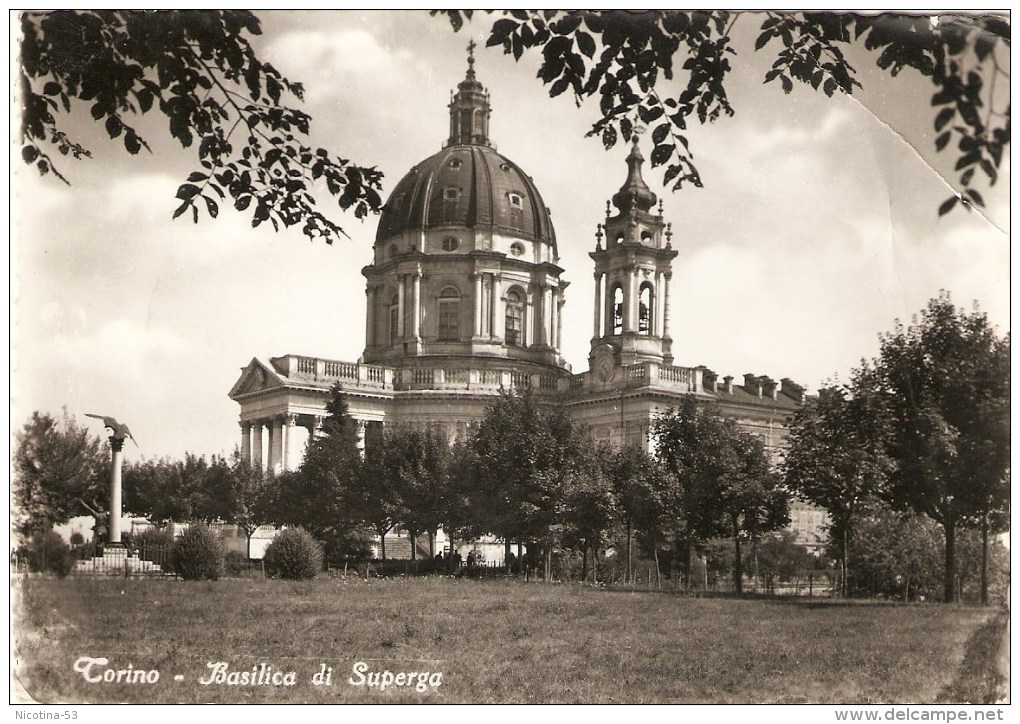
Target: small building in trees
[[465, 298]]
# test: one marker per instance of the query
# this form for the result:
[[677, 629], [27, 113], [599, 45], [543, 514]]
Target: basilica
[[465, 298]]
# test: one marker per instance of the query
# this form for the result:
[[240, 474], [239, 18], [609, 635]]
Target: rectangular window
[[449, 321]]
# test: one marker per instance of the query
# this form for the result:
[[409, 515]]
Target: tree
[[781, 557], [947, 382], [414, 466], [681, 437], [167, 491], [247, 498], [60, 471], [591, 506], [198, 69], [725, 478], [626, 59], [325, 495], [523, 459], [837, 455]]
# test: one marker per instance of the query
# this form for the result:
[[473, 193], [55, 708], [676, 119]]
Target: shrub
[[198, 554], [293, 555], [48, 553], [236, 563]]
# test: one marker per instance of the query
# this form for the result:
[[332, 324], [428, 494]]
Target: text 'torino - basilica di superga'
[[465, 298]]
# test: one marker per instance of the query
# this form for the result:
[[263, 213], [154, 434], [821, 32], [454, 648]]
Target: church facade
[[465, 298]]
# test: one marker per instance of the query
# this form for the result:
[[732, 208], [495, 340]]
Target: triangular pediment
[[256, 377]]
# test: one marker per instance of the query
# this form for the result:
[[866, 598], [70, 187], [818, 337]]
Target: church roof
[[468, 183]]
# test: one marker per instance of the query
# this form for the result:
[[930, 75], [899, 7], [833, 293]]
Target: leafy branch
[[620, 56], [199, 70]]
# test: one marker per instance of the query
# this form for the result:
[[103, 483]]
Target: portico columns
[[289, 443], [256, 453], [246, 441]]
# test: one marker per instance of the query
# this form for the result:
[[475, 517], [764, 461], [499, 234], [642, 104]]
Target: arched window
[[514, 318], [617, 309], [644, 325], [449, 315], [394, 319]]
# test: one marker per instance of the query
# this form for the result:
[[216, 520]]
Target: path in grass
[[493, 641]]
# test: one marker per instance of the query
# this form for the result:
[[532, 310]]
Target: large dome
[[467, 185]]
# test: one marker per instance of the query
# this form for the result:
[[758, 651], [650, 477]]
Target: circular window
[[456, 163], [504, 167], [517, 248], [450, 243]]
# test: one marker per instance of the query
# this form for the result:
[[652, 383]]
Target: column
[[608, 301], [657, 306], [246, 442], [665, 304], [630, 305], [597, 332], [559, 319], [494, 294], [416, 307], [370, 316], [529, 317], [289, 443], [273, 444], [256, 453], [400, 310], [116, 445], [478, 303], [546, 315], [361, 436]]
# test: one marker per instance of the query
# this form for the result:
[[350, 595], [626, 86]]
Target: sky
[[816, 229]]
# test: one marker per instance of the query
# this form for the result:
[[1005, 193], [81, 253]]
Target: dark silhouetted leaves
[[199, 70], [619, 56]]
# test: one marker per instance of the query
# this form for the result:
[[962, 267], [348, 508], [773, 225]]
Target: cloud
[[328, 60]]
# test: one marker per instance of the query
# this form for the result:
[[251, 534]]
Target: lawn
[[476, 641]]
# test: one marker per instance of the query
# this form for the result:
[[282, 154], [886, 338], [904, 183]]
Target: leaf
[[975, 196], [131, 142], [661, 154], [787, 83], [29, 153], [196, 176], [585, 43], [52, 88], [948, 205], [660, 133], [942, 140], [181, 208], [187, 191], [211, 206], [944, 117]]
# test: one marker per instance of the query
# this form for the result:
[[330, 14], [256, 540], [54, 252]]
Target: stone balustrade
[[355, 375]]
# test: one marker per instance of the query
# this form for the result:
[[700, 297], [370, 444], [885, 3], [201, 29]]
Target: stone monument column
[[116, 445]]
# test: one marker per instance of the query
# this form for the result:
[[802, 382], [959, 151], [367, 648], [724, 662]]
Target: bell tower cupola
[[633, 269], [469, 109]]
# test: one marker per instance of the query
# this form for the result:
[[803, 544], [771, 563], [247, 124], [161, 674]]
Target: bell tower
[[632, 273]]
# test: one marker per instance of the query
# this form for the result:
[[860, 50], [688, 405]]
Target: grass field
[[492, 641]]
